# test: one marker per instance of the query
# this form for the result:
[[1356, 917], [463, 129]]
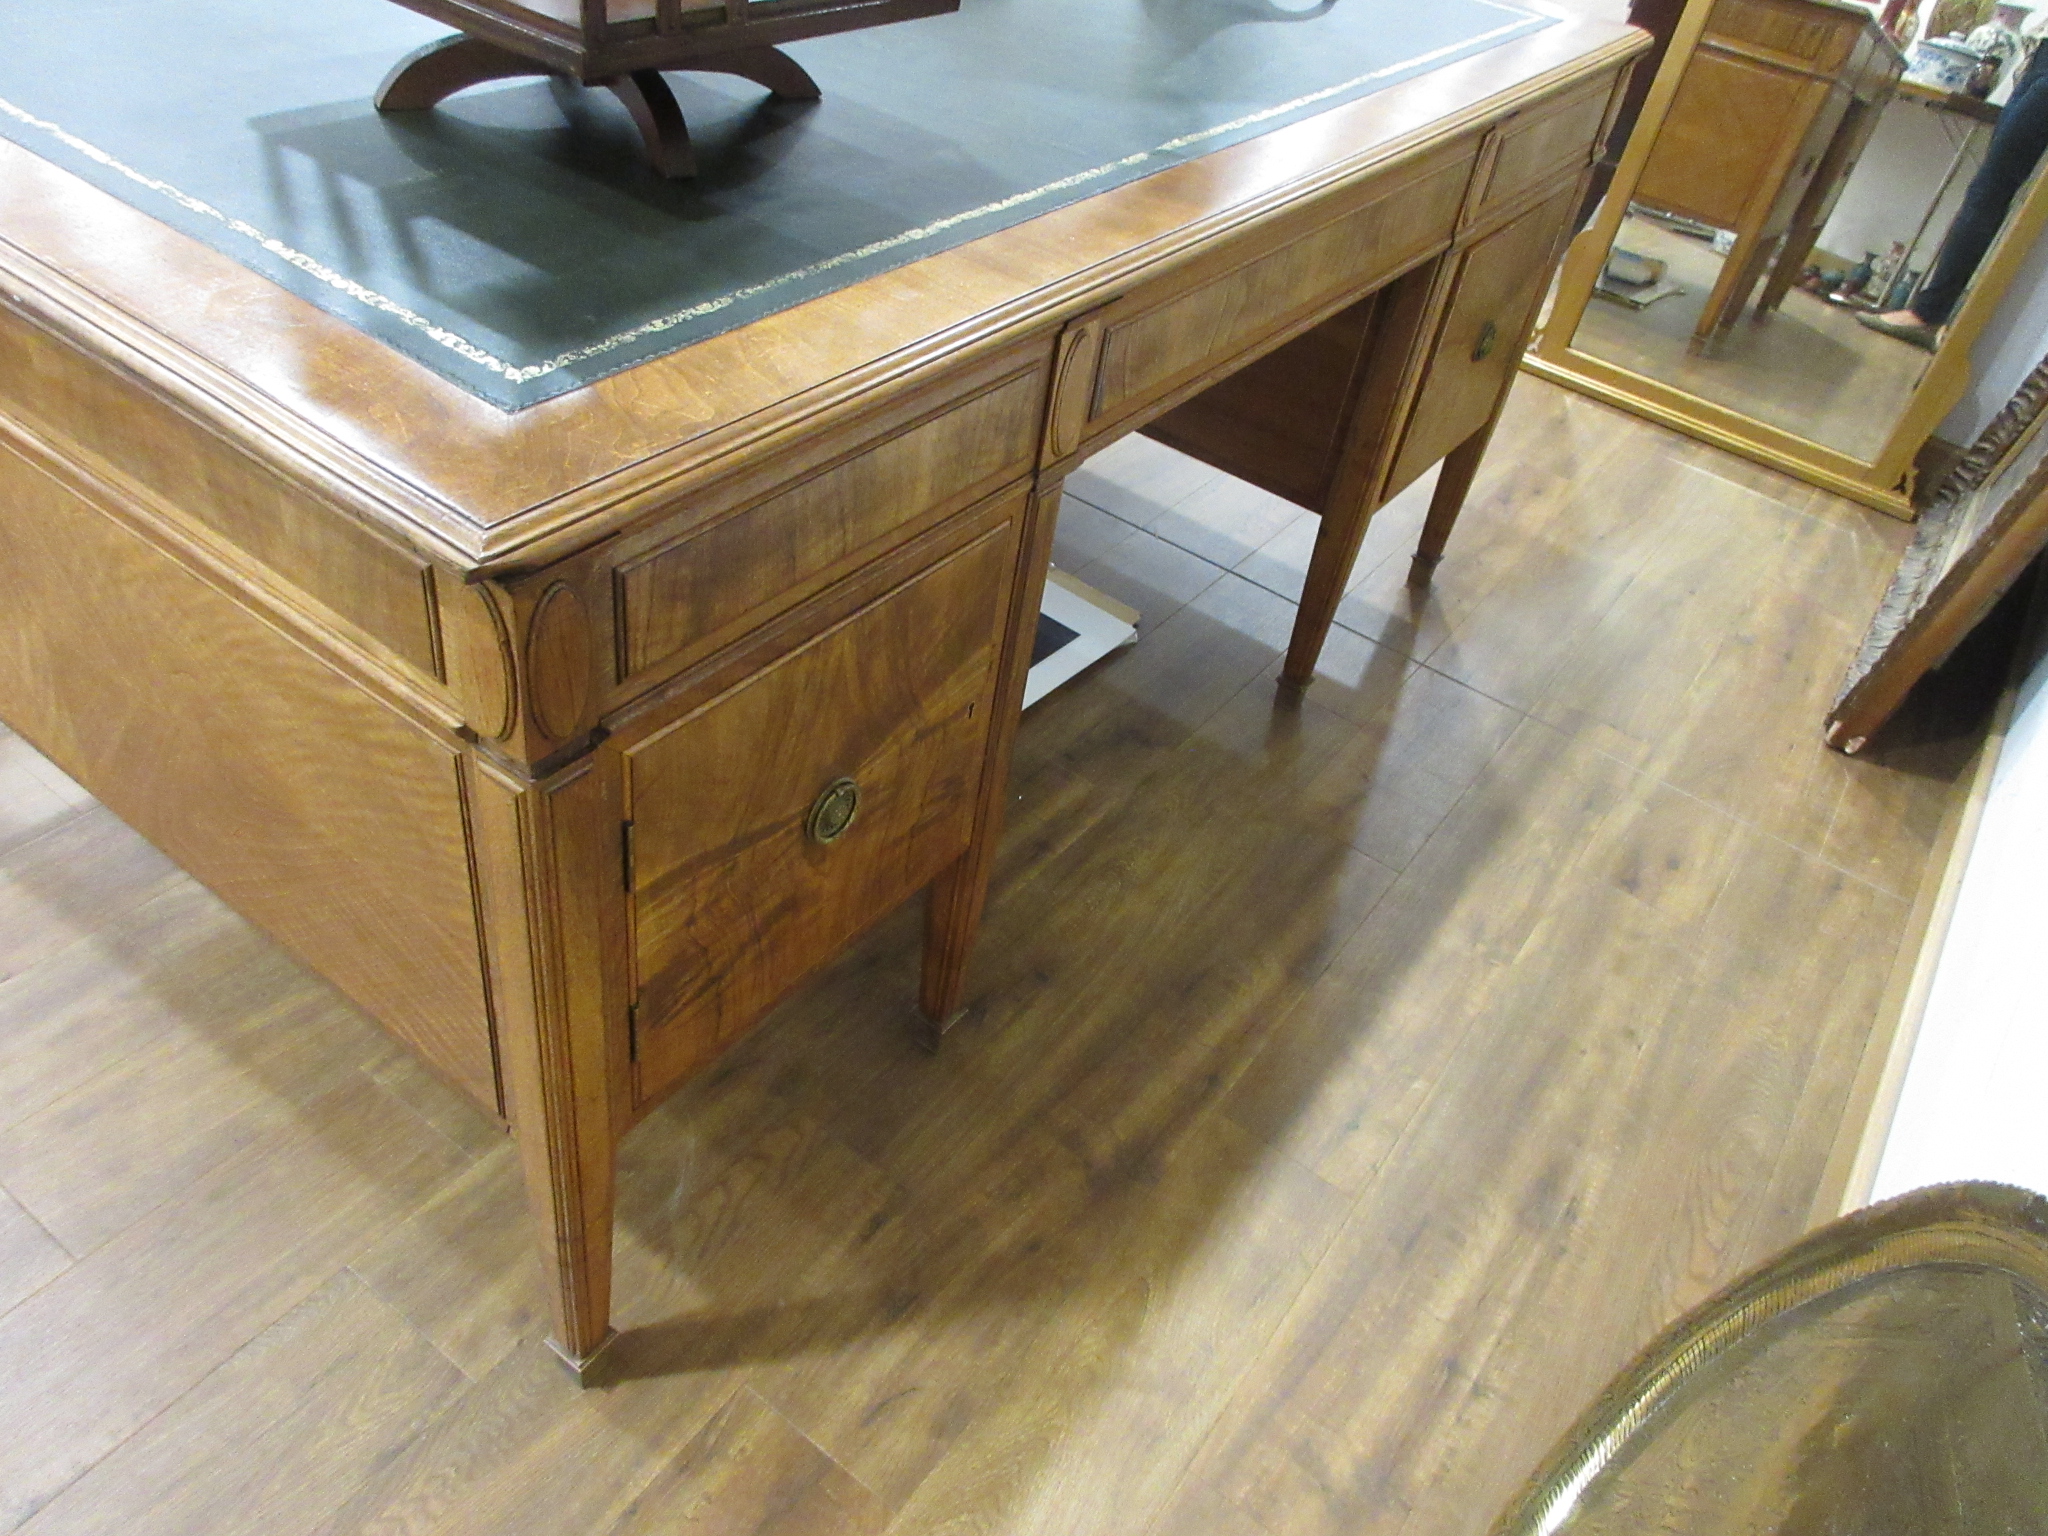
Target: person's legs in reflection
[[2016, 148]]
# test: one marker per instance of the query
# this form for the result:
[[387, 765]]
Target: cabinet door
[[1494, 294], [778, 820]]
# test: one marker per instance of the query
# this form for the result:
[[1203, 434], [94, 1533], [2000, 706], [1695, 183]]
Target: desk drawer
[[1543, 144], [688, 595], [741, 879], [1493, 297], [1175, 335]]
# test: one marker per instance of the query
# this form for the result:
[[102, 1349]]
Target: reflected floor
[[1809, 369]]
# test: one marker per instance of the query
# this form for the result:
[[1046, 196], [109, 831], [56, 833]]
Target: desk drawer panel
[[1480, 341], [691, 594], [1541, 145], [1208, 328], [738, 886]]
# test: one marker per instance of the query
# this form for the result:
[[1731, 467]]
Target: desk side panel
[[310, 807], [382, 592]]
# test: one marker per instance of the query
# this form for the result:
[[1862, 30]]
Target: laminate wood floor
[[1357, 1080]]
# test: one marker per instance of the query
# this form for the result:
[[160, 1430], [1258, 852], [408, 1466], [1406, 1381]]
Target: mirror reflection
[[1816, 203]]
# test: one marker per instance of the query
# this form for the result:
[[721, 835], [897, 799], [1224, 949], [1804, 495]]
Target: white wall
[[2006, 353], [1901, 170], [1973, 1102]]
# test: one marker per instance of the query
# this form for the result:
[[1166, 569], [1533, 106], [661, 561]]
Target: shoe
[[1916, 333]]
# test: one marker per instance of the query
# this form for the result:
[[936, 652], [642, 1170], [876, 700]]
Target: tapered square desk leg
[[1329, 569], [546, 851], [954, 905], [1393, 359], [1453, 485]]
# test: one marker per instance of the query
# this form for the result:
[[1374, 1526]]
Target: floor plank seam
[[1293, 597], [1762, 831], [419, 1333], [42, 1226], [72, 812], [49, 1280]]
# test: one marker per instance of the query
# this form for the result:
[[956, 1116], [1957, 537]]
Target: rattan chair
[[624, 45]]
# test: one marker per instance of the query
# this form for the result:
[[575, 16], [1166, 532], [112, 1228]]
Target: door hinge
[[626, 853], [632, 1032]]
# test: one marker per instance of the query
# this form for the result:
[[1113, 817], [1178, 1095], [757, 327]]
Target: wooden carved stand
[[608, 45]]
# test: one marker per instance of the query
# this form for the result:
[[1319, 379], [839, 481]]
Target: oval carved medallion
[[558, 662]]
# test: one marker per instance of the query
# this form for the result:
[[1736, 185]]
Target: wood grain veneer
[[511, 724], [1167, 332], [732, 900], [465, 481], [693, 590], [203, 725]]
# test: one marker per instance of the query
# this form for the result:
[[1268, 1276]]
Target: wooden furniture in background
[[1882, 477], [1776, 103], [1659, 18], [1986, 526], [624, 45], [566, 742]]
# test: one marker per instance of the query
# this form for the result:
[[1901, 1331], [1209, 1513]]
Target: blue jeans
[[2016, 147]]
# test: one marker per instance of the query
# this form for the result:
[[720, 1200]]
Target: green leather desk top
[[515, 241]]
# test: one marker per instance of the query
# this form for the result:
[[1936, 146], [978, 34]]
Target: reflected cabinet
[[567, 741], [1780, 180], [1769, 119]]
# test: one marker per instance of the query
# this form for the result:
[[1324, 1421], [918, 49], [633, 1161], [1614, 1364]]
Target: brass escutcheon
[[1489, 333], [833, 811]]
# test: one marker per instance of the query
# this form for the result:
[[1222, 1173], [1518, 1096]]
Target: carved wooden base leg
[[430, 75], [660, 121], [954, 904], [769, 68], [653, 105]]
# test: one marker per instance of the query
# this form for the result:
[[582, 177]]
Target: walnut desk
[[566, 741]]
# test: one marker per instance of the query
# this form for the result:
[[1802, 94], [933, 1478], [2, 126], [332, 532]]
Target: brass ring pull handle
[[833, 811], [1489, 333]]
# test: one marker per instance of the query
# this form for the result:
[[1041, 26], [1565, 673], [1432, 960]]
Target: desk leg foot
[[547, 853], [430, 75], [926, 1032], [952, 916], [588, 1369], [1453, 484]]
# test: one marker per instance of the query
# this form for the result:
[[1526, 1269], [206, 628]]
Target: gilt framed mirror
[[1790, 178]]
